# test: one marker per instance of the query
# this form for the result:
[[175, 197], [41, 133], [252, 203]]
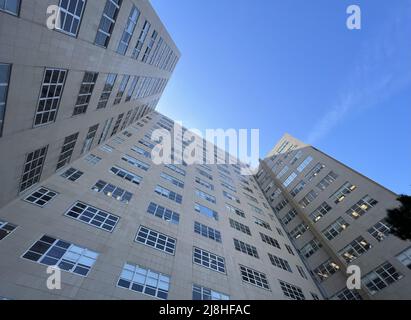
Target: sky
[[293, 66]]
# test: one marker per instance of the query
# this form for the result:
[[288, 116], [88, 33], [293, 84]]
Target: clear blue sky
[[293, 66]]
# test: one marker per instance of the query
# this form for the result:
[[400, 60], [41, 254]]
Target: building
[[335, 217], [65, 90], [125, 228]]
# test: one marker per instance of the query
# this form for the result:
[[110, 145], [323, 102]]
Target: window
[[235, 210], [280, 205], [327, 180], [405, 258], [231, 197], [168, 194], [380, 230], [291, 291], [310, 248], [250, 197], [108, 87], [68, 257], [207, 231], [320, 212], [335, 228], [256, 209], [261, 223], [304, 164], [289, 216], [342, 192], [279, 262], [149, 46], [206, 211], [301, 272], [361, 207], [156, 240], [315, 296], [10, 6], [92, 159], [204, 183], [145, 281], [86, 90], [205, 174], [127, 175], [289, 249], [88, 141], [4, 85], [128, 31], [146, 144], [67, 150], [381, 277], [297, 188], [106, 148], [326, 269], [240, 227], [72, 174], [245, 248], [93, 216], [347, 294], [208, 260], [132, 88], [205, 196], [32, 168], [6, 228], [141, 39], [70, 13], [116, 126], [172, 180], [112, 191], [269, 240], [309, 197], [202, 293], [290, 179], [121, 89], [228, 186], [104, 132], [299, 230], [354, 249], [254, 277], [314, 171], [282, 172], [50, 95], [142, 152], [163, 213], [135, 163], [107, 22], [296, 157]]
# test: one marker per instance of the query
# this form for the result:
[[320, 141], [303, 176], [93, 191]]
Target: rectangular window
[[6, 228], [309, 197], [279, 262], [128, 31], [132, 88], [93, 216], [228, 186], [342, 192], [207, 232], [282, 172], [269, 240], [405, 258], [145, 281], [107, 89], [245, 248], [117, 125], [297, 188], [240, 227], [320, 212], [251, 198], [172, 180], [104, 132], [149, 46], [327, 180], [70, 13], [255, 209], [347, 294], [206, 211], [291, 291], [254, 277], [92, 159], [142, 152], [67, 256], [361, 207], [296, 157], [326, 269], [335, 228], [231, 196], [107, 22], [72, 174], [10, 6], [380, 230], [121, 89], [88, 141], [290, 179], [156, 240], [163, 213], [5, 70], [67, 150], [381, 277], [126, 175], [310, 248], [205, 196], [205, 174], [86, 90], [304, 164], [204, 183], [202, 293], [235, 210], [33, 167], [289, 249], [208, 260], [314, 171], [289, 216], [147, 144], [41, 196], [299, 230], [354, 249], [168, 194], [135, 163], [112, 191], [301, 272], [50, 95], [261, 223], [141, 39]]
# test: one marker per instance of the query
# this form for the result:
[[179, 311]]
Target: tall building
[[67, 85], [335, 217], [124, 228]]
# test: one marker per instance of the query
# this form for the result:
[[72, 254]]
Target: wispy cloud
[[382, 71]]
